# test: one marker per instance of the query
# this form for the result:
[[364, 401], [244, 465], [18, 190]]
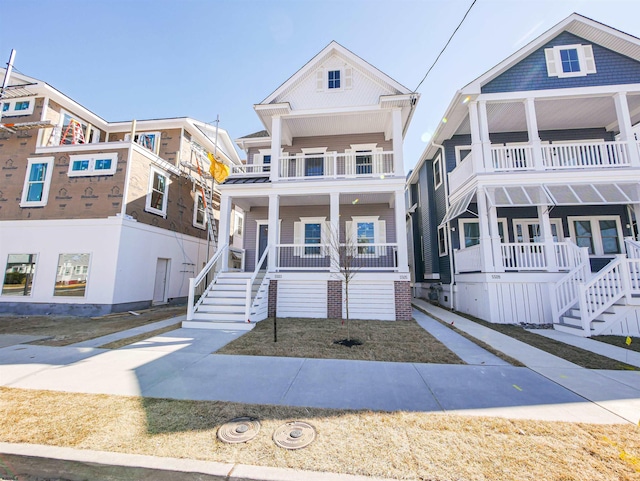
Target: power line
[[446, 45]]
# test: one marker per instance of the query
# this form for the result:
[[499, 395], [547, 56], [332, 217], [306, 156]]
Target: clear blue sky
[[200, 58]]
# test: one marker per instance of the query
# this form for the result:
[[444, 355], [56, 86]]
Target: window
[[238, 223], [91, 134], [364, 162], [35, 192], [199, 216], [18, 274], [149, 140], [266, 162], [312, 235], [365, 235], [437, 172], [570, 61], [313, 166], [310, 230], [363, 230], [528, 230], [92, 164], [158, 190], [71, 277], [470, 232], [442, 241], [334, 79], [17, 107], [601, 235]]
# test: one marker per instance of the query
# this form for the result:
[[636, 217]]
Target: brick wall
[[334, 299], [403, 300], [273, 298]]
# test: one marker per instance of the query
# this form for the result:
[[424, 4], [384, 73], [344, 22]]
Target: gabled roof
[[576, 24], [334, 48]]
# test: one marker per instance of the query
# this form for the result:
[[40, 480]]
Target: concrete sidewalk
[[617, 392], [179, 365]]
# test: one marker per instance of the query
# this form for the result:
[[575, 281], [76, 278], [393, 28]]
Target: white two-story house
[[527, 198], [325, 177]]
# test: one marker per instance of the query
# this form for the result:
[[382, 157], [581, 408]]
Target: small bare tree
[[344, 254]]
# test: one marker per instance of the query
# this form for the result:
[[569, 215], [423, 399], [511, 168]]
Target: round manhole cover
[[239, 430], [294, 435]]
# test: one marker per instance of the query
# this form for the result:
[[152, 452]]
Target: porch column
[[276, 145], [486, 254], [476, 141], [534, 135], [624, 123], [334, 231], [401, 231], [223, 227], [274, 235], [495, 239], [547, 238], [398, 157], [484, 129]]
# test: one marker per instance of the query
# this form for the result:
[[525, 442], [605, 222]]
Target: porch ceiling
[[246, 203], [557, 114], [339, 124]]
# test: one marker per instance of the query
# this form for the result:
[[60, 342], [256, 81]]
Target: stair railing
[[601, 292], [198, 285], [633, 248], [250, 295], [565, 293]]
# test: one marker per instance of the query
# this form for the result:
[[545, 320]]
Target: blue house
[[523, 208]]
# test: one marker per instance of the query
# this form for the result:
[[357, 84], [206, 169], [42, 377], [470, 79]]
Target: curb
[[79, 465]]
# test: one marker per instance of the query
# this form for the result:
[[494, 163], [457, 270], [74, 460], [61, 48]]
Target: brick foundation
[[403, 300], [334, 299], [273, 298]]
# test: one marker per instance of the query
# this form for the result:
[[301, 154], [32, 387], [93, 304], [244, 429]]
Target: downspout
[[446, 193]]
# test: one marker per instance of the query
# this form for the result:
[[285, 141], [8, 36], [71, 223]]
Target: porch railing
[[524, 256], [301, 166], [250, 169], [204, 281], [310, 257], [508, 158], [585, 155]]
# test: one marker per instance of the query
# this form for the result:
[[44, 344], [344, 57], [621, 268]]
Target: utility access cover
[[294, 435], [239, 430]]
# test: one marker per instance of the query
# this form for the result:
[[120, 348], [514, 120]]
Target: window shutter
[[381, 238], [350, 237], [298, 238], [589, 60], [320, 80], [348, 77], [326, 238], [350, 162], [378, 162], [552, 68]]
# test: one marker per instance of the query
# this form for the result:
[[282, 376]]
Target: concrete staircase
[[224, 306]]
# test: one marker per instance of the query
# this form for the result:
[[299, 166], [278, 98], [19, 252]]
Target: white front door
[[160, 286]]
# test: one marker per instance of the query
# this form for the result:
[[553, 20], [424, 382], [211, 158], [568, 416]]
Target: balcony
[[547, 157], [323, 166], [356, 257]]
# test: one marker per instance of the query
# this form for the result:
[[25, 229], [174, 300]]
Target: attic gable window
[[334, 79], [570, 61]]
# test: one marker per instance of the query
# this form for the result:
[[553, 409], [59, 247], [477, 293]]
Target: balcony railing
[[317, 257], [578, 155], [522, 256], [301, 166]]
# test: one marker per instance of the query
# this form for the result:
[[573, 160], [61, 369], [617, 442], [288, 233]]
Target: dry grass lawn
[[399, 341], [620, 341], [397, 445], [65, 330]]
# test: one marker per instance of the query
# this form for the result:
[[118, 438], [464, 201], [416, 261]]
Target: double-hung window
[[199, 217], [364, 162], [334, 79], [310, 236], [367, 235], [313, 166], [470, 232], [158, 192], [35, 192], [437, 172]]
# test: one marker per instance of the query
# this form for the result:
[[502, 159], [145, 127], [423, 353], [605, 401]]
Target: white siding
[[370, 300], [629, 325], [302, 299]]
